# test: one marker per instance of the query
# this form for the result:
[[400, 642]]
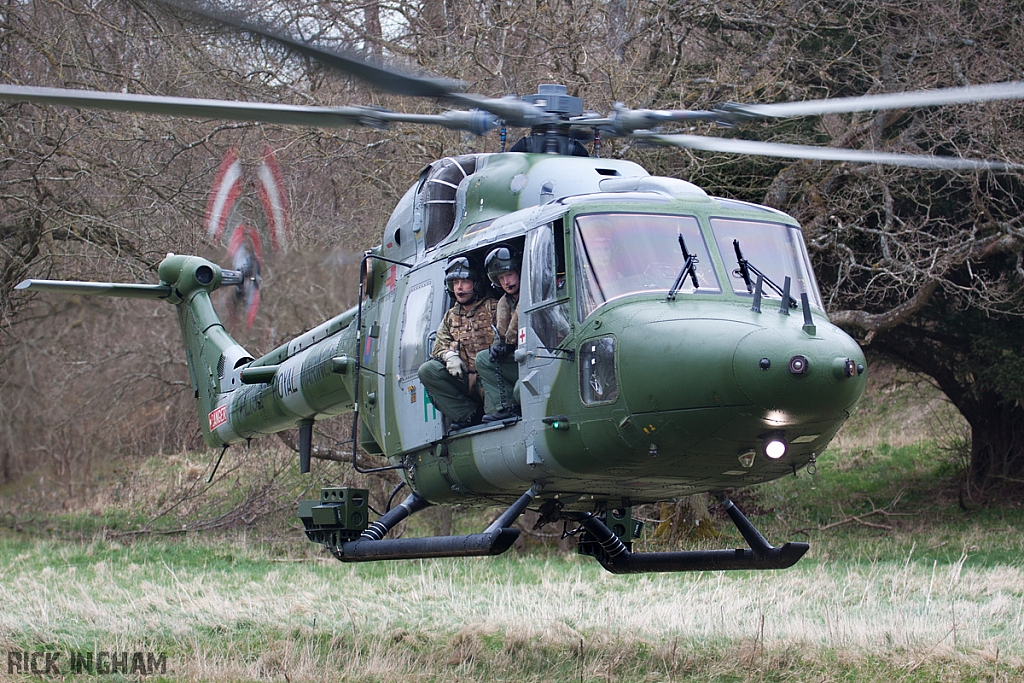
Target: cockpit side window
[[542, 265], [549, 308]]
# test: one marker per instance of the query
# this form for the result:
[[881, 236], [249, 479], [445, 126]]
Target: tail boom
[[305, 379]]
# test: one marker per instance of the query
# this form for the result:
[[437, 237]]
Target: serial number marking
[[286, 383]]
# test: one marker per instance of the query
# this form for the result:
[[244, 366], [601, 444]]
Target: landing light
[[774, 447]]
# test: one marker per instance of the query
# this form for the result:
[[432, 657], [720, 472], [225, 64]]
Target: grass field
[[900, 584], [238, 611]]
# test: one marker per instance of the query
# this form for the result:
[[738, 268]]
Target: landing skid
[[370, 545], [339, 522], [601, 543]]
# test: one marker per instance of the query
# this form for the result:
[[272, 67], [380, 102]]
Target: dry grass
[[226, 613], [900, 409]]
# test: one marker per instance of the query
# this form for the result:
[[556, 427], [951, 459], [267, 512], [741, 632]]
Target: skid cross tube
[[617, 558], [494, 540]]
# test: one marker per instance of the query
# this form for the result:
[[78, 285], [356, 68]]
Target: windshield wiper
[[689, 267], [746, 268]]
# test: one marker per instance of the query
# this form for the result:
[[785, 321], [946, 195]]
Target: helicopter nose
[[794, 376], [669, 363], [789, 376]]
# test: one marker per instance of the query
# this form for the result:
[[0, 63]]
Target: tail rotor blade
[[274, 197], [226, 188], [246, 253]]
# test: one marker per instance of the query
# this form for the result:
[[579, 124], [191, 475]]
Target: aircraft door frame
[[544, 315], [418, 422]]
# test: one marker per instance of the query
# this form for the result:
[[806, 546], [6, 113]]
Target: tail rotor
[[274, 197], [246, 256], [226, 219]]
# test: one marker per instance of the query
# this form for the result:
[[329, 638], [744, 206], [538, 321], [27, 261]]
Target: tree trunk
[[371, 25], [997, 447], [973, 358], [431, 29]]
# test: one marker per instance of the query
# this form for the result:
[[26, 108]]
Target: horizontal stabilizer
[[128, 291]]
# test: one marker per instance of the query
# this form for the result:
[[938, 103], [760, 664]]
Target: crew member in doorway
[[499, 372], [450, 376]]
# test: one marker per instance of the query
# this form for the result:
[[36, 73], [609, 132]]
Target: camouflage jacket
[[507, 319], [466, 330]]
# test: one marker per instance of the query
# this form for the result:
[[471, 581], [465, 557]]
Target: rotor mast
[[554, 134]]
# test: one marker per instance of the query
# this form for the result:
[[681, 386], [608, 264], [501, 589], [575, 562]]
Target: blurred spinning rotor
[[225, 219]]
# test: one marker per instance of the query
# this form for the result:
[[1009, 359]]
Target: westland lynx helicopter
[[670, 342]]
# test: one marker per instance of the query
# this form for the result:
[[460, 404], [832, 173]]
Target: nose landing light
[[775, 446]]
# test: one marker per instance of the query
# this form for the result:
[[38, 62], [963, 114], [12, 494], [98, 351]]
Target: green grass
[[886, 503]]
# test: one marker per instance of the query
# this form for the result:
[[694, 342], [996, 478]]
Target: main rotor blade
[[261, 112], [773, 149], [1010, 90], [390, 79], [623, 121], [384, 78], [127, 291], [511, 110]]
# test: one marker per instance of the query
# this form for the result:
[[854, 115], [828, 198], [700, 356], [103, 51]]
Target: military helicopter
[[670, 342]]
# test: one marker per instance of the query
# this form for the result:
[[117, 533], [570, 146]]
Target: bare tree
[[105, 196]]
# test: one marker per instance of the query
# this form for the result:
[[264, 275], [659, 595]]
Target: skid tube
[[617, 558], [371, 545]]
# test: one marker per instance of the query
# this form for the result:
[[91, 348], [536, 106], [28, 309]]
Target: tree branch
[[873, 323]]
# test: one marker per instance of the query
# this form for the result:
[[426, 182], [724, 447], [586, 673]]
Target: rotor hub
[[553, 99]]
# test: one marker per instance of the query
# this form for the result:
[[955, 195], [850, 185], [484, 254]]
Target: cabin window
[[775, 249], [598, 383], [618, 254], [412, 349], [549, 310]]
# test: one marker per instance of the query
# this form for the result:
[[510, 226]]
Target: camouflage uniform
[[507, 319], [467, 330], [500, 378]]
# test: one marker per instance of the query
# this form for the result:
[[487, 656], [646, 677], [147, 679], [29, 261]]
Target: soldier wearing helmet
[[450, 376], [499, 372]]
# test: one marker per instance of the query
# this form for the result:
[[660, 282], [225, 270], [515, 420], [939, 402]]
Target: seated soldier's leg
[[510, 374], [448, 393], [487, 375], [499, 379]]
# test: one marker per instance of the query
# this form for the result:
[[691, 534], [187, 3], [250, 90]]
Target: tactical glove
[[456, 368], [498, 350]]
